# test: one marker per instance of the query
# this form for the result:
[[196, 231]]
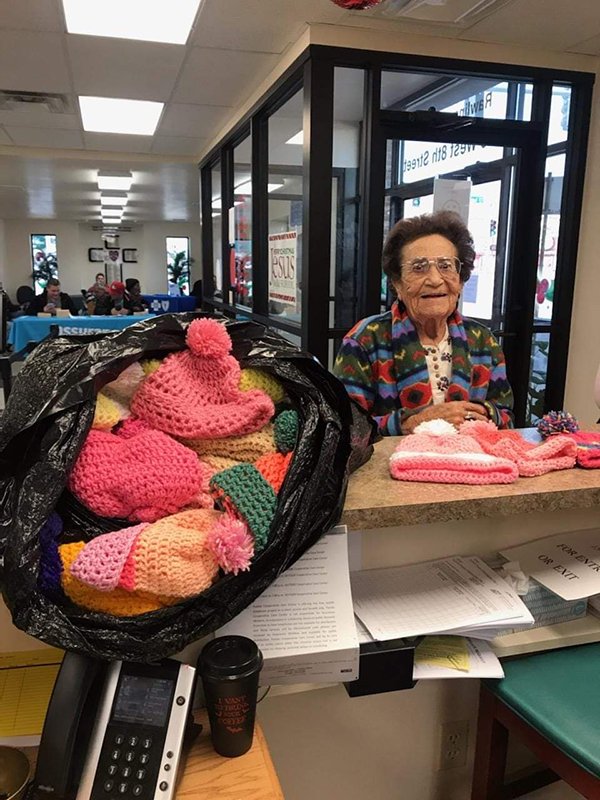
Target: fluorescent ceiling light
[[115, 181], [246, 188], [113, 200], [297, 138], [107, 214], [156, 21], [115, 115]]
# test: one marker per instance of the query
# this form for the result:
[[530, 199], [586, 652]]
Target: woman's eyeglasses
[[447, 266]]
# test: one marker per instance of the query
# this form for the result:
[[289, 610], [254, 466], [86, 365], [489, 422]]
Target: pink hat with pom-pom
[[196, 395], [178, 556]]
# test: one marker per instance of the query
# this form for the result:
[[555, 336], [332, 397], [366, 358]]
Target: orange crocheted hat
[[196, 394]]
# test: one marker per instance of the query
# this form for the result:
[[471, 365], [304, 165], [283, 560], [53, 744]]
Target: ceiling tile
[[4, 138], [33, 62], [119, 142], [40, 137], [178, 145], [35, 118], [181, 119], [528, 22], [220, 77], [32, 15], [253, 25], [123, 68], [589, 47]]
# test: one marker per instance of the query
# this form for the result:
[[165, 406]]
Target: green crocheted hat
[[286, 430], [244, 492]]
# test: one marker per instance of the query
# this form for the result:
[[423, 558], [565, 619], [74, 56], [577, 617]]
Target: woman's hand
[[456, 412]]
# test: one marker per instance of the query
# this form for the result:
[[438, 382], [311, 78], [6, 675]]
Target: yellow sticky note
[[444, 651]]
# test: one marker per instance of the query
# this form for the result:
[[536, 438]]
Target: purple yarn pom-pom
[[557, 422]]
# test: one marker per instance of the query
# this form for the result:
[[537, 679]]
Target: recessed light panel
[[114, 181], [115, 115], [167, 21], [113, 200]]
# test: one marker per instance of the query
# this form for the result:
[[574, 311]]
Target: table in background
[[165, 304], [34, 329]]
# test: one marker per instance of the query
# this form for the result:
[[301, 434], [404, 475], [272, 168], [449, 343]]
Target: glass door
[[486, 181]]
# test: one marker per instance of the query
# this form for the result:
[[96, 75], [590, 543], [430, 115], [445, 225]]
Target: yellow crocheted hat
[[106, 415], [236, 448], [257, 379], [117, 602]]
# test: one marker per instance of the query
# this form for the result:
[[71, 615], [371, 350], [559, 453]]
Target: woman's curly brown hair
[[445, 223]]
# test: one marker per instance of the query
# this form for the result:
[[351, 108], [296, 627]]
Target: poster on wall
[[112, 264], [282, 267]]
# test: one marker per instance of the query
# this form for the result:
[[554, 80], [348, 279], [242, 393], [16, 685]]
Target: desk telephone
[[114, 731]]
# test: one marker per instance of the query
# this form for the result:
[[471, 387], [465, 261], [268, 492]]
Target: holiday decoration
[[356, 5]]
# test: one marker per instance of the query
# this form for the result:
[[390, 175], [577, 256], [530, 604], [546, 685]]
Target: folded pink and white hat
[[436, 453]]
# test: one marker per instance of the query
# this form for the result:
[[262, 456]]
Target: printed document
[[568, 564], [303, 622], [449, 595]]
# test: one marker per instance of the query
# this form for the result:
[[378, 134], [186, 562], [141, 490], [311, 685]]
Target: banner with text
[[282, 267]]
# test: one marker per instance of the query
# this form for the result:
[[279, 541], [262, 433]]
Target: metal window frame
[[317, 63]]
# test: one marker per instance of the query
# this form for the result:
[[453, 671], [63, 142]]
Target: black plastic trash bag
[[43, 428]]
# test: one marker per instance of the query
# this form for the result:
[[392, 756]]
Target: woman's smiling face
[[432, 295]]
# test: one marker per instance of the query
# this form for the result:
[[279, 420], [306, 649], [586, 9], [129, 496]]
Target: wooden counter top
[[375, 500]]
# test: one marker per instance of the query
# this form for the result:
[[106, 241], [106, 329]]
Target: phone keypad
[[126, 761]]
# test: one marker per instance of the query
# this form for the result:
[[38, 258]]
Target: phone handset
[[68, 725]]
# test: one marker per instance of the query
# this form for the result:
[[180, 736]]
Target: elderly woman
[[422, 360]]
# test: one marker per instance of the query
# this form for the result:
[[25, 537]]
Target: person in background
[[51, 299], [133, 296], [421, 360], [97, 299], [116, 291]]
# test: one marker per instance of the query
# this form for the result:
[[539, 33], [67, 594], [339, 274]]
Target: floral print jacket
[[382, 364]]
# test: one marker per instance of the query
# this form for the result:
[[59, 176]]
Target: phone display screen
[[142, 700]]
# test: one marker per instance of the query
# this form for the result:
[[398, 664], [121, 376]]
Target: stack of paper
[[304, 623], [458, 595], [428, 662]]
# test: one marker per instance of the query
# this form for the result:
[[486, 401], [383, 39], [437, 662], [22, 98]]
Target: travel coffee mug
[[230, 667]]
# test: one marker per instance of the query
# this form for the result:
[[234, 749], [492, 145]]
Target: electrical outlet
[[454, 743]]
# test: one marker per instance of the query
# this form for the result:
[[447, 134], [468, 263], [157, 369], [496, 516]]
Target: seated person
[[97, 299], [116, 291], [133, 296], [51, 299], [421, 360]]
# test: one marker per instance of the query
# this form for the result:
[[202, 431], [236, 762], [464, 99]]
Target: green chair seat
[[558, 694]]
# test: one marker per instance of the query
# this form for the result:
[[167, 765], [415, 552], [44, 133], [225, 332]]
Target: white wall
[[2, 252], [73, 241]]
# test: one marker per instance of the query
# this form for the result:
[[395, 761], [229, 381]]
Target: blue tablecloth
[[165, 304], [33, 329]]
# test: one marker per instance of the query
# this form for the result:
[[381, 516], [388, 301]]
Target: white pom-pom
[[436, 427]]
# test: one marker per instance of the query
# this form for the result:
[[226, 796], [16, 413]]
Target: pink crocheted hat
[[435, 452], [180, 554], [557, 452], [196, 395], [138, 474]]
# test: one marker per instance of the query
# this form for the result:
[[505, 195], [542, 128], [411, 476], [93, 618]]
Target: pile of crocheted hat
[[435, 452], [192, 448]]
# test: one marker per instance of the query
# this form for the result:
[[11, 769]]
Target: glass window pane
[[478, 292], [242, 244], [44, 259], [467, 97], [544, 298], [422, 160], [285, 186], [217, 221], [536, 394], [178, 265], [347, 131], [558, 129]]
